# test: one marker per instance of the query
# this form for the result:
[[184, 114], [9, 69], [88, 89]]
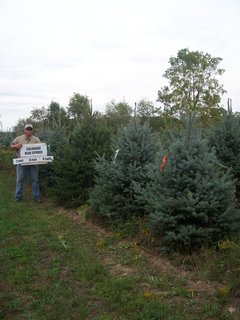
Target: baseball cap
[[28, 126]]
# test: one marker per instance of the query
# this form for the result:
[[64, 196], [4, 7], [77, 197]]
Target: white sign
[[32, 160], [33, 154], [36, 149]]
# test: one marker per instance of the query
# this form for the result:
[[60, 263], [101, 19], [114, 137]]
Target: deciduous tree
[[193, 85], [118, 114], [79, 106]]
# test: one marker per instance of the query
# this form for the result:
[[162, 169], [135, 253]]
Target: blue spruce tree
[[115, 194], [192, 201], [225, 138]]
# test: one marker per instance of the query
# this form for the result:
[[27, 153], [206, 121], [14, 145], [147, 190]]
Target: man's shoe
[[17, 199]]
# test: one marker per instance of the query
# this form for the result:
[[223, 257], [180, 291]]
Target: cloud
[[106, 49]]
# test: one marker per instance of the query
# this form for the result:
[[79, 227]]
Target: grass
[[54, 266]]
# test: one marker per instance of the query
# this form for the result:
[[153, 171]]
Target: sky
[[107, 50]]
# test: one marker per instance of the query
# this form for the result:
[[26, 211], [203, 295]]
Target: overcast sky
[[107, 49]]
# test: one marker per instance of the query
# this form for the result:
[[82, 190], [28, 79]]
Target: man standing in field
[[23, 171]]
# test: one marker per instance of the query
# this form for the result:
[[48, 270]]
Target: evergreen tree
[[191, 202], [6, 138], [74, 162], [53, 139], [115, 194], [225, 138]]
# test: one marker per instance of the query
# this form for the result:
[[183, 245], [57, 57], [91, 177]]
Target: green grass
[[54, 267]]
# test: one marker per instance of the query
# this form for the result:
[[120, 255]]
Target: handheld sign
[[33, 154], [36, 149]]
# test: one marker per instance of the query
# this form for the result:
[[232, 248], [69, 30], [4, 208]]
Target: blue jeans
[[22, 172]]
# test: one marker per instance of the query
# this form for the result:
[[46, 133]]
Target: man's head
[[28, 129]]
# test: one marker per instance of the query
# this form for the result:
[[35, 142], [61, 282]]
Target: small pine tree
[[191, 202], [74, 162], [115, 194], [225, 138], [53, 138]]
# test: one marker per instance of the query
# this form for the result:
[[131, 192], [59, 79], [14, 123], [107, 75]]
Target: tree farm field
[[57, 265]]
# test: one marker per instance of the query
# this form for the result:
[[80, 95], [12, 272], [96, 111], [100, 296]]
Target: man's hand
[[16, 146]]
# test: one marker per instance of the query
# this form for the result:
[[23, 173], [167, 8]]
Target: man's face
[[28, 131]]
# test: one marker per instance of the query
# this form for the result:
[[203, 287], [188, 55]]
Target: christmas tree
[[191, 200], [115, 194], [74, 161], [225, 138]]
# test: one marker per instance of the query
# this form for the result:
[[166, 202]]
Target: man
[[23, 171]]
